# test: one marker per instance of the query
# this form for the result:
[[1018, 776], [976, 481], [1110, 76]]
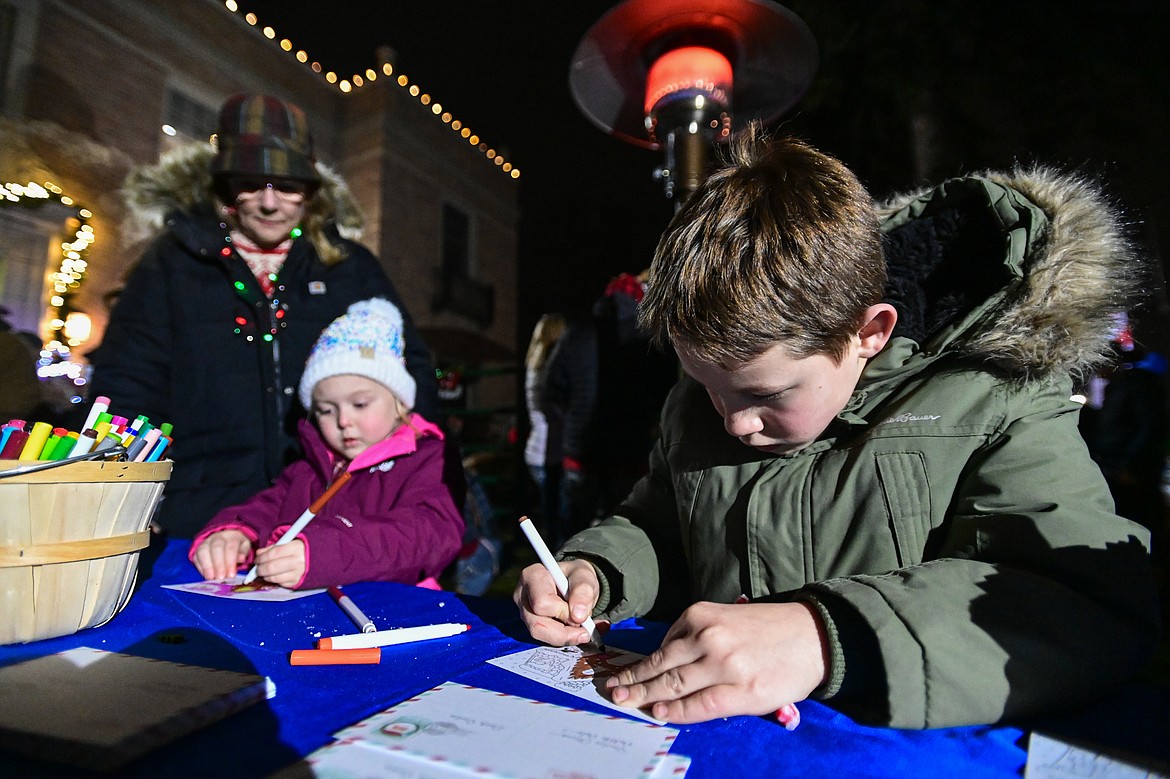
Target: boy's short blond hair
[[780, 244]]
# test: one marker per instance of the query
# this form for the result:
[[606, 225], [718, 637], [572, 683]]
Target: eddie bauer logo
[[911, 418]]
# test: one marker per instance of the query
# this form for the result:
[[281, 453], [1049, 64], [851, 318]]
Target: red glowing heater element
[[659, 74], [689, 71]]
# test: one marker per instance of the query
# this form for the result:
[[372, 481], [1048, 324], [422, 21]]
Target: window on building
[[456, 291], [186, 119], [456, 242]]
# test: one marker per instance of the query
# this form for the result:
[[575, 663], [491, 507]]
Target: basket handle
[[72, 551]]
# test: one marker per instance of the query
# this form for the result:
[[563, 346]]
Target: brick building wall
[[87, 91]]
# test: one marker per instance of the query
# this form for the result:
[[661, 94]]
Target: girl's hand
[[221, 554], [720, 660], [282, 564], [546, 613]]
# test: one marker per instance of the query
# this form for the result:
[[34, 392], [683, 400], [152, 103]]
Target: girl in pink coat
[[394, 520]]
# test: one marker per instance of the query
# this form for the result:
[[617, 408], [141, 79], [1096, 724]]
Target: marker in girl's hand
[[304, 519]]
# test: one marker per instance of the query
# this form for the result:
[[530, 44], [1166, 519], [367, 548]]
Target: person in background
[[608, 382], [544, 447], [20, 390], [215, 321], [876, 447], [478, 562], [1127, 437], [394, 520]]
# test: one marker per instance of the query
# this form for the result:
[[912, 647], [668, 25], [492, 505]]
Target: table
[[312, 703]]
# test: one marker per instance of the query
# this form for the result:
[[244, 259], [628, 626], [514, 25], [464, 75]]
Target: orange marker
[[370, 656]]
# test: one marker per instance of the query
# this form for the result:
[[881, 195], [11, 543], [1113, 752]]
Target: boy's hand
[[221, 554], [282, 564], [721, 660], [546, 613]]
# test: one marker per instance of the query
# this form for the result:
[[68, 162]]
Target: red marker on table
[[352, 611]]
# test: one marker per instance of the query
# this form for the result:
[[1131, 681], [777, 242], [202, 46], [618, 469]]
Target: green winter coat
[[949, 526]]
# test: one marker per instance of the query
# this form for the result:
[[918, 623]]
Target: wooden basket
[[69, 543]]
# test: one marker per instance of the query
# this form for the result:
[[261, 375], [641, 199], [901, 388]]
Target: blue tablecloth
[[313, 702]]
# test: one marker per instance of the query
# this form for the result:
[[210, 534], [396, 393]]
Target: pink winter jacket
[[394, 521]]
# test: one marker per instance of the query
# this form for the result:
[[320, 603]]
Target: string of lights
[[64, 328], [358, 80]]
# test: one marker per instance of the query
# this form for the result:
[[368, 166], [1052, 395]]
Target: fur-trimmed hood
[[181, 182], [1023, 271]]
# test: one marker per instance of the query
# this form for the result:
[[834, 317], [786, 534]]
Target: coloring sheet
[[572, 669], [235, 588], [486, 733]]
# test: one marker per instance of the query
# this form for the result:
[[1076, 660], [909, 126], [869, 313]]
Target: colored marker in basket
[[101, 404], [36, 441]]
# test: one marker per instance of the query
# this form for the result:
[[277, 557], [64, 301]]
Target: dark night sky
[[1069, 82]]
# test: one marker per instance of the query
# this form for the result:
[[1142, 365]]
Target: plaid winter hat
[[260, 135], [366, 341]]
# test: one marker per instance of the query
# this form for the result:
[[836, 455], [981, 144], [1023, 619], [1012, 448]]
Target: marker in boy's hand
[[578, 608], [548, 615]]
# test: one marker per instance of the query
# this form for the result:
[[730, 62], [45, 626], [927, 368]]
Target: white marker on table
[[557, 574], [392, 637]]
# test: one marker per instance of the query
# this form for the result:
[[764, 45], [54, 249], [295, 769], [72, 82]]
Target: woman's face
[[266, 211]]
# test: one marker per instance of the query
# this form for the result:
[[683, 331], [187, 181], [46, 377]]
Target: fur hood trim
[[1057, 266], [181, 181]]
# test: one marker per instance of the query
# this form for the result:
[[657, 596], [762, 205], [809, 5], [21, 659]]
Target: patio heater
[[681, 75]]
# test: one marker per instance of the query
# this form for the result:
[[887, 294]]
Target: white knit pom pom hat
[[366, 341]]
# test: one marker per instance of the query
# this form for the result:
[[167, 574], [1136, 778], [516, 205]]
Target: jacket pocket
[[907, 497]]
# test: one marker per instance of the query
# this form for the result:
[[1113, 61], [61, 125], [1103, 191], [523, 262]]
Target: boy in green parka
[[875, 443]]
